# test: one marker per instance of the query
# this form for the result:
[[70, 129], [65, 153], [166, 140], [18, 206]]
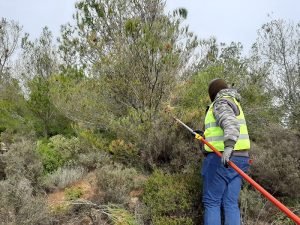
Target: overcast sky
[[227, 20]]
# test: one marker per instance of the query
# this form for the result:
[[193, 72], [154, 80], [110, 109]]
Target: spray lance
[[265, 193]]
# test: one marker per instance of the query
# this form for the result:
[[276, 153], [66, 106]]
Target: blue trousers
[[221, 188]]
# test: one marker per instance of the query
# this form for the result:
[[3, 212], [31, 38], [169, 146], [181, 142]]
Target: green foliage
[[14, 113], [138, 75], [73, 193], [181, 12], [39, 62], [120, 216], [192, 96], [258, 108], [82, 100], [171, 197], [69, 148], [99, 139], [59, 151], [48, 121], [159, 141], [51, 159], [124, 153]]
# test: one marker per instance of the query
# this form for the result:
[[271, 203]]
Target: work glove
[[201, 145], [198, 132], [226, 156]]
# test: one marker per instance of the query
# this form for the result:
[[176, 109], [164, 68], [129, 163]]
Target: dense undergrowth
[[86, 122]]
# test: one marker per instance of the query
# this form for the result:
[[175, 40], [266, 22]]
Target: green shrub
[[159, 141], [125, 153], [59, 151], [51, 158], [172, 198], [115, 183], [73, 193], [69, 148], [120, 216], [98, 139]]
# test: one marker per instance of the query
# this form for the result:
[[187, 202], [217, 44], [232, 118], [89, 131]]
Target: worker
[[226, 130]]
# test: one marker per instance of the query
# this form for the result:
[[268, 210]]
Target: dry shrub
[[277, 162], [94, 159], [253, 206], [19, 206], [115, 182], [22, 161], [167, 145], [62, 177]]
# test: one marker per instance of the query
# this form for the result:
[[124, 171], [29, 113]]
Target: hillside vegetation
[[84, 134]]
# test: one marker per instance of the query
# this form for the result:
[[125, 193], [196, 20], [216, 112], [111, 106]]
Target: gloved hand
[[226, 156], [198, 132]]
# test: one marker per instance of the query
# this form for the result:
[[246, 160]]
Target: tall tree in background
[[134, 50], [278, 45], [247, 74], [40, 61], [10, 35], [12, 102]]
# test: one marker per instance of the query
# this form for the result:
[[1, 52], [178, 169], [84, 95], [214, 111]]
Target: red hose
[[277, 203]]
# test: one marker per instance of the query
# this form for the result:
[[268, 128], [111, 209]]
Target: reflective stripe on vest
[[214, 134]]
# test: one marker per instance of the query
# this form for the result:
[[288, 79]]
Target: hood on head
[[229, 92]]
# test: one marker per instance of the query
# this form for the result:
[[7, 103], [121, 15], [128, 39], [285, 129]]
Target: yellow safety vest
[[214, 134]]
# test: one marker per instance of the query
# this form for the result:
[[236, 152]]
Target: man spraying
[[226, 130]]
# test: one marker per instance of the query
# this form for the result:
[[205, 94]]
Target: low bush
[[19, 206], [21, 161], [62, 177], [125, 153], [120, 216], [253, 206], [97, 138], [276, 162], [115, 182], [51, 158], [172, 198], [94, 159], [60, 151], [159, 141], [73, 193], [257, 210]]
